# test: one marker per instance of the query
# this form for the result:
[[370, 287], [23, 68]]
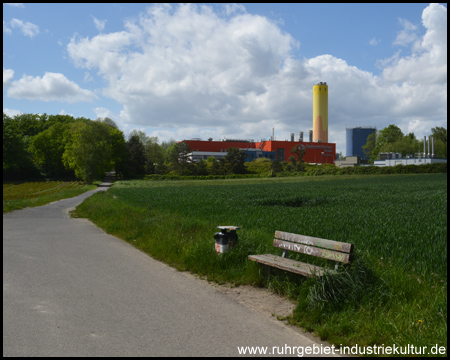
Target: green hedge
[[195, 177], [317, 170]]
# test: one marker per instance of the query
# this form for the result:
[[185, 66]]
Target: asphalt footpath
[[70, 289]]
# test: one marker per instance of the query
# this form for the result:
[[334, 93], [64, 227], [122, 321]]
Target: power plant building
[[317, 149], [316, 153], [356, 139]]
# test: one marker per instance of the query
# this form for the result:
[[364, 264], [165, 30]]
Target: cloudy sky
[[238, 70]]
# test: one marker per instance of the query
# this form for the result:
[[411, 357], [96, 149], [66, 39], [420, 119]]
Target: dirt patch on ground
[[258, 299]]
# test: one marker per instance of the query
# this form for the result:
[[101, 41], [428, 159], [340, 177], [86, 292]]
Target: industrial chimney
[[301, 137], [425, 146], [320, 112], [432, 147], [310, 136]]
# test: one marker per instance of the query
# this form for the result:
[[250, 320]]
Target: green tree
[[370, 145], [89, 152], [176, 155], [276, 166], [440, 133], [109, 122], [183, 159], [31, 124], [297, 158], [215, 167], [136, 158], [440, 142], [143, 138], [234, 161], [154, 156], [440, 149], [59, 119], [202, 168], [388, 135], [169, 153], [407, 144], [17, 161], [47, 149], [119, 150]]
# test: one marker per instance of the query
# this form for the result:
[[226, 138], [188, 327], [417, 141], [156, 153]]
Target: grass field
[[395, 292], [17, 195]]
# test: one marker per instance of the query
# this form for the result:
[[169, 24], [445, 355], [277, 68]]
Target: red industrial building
[[318, 153], [315, 152]]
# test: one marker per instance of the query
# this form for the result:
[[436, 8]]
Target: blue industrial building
[[253, 154], [356, 139], [250, 155]]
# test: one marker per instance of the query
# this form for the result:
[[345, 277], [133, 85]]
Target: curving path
[[70, 289]]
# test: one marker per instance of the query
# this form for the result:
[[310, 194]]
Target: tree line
[[37, 146], [392, 139], [60, 146]]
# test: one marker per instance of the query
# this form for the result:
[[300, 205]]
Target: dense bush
[[313, 170]]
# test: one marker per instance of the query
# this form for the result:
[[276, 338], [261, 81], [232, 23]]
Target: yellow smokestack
[[320, 112]]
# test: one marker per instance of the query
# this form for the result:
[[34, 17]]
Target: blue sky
[[228, 70]]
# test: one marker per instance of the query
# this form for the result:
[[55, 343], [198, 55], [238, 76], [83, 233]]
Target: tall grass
[[397, 223], [17, 195]]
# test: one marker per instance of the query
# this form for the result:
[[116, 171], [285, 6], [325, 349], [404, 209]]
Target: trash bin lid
[[228, 227]]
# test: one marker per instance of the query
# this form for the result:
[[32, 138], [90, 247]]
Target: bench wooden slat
[[290, 265], [321, 248], [313, 241], [313, 251]]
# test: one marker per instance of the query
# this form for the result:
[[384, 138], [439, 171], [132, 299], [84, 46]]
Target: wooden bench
[[327, 249]]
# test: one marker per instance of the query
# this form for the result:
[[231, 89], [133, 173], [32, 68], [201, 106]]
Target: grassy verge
[[18, 195], [394, 293]]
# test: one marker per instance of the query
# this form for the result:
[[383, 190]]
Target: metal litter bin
[[225, 240]]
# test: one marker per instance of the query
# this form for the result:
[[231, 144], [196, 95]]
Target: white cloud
[[407, 35], [204, 64], [103, 51], [27, 28], [51, 87], [63, 112], [99, 24], [193, 72], [234, 8], [87, 77], [20, 5], [8, 74], [11, 112], [102, 112], [374, 41], [383, 63], [428, 62], [434, 19], [6, 29]]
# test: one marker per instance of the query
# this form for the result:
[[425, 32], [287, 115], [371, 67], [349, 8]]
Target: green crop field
[[17, 195], [397, 223]]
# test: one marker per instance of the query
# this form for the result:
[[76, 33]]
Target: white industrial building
[[408, 161]]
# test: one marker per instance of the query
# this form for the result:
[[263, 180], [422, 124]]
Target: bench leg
[[266, 270]]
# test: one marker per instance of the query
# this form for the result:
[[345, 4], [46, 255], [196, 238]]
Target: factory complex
[[317, 150], [271, 149]]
